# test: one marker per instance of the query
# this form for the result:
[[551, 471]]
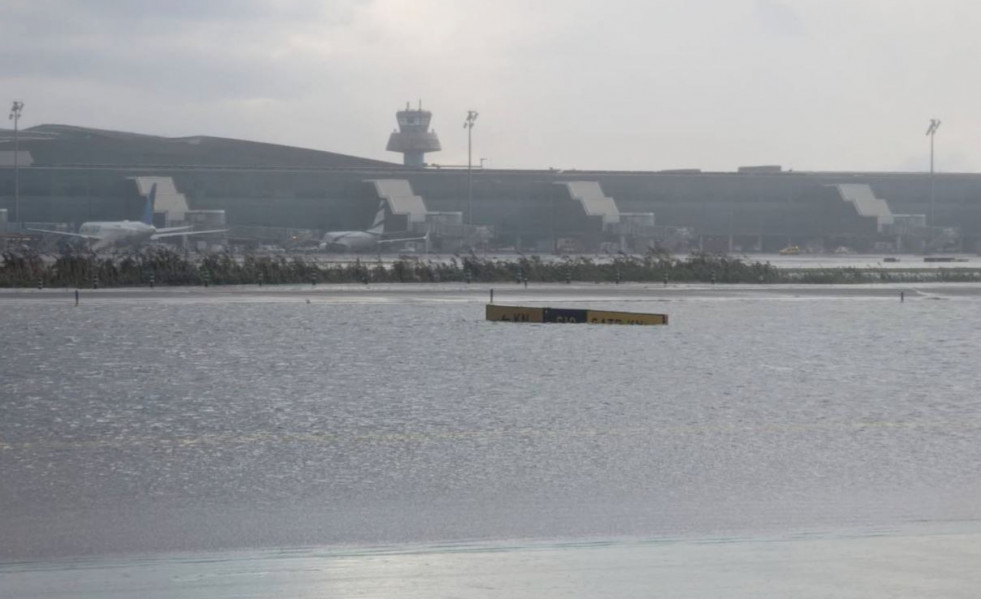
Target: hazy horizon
[[712, 84]]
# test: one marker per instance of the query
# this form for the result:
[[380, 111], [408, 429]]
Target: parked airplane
[[103, 234], [355, 241]]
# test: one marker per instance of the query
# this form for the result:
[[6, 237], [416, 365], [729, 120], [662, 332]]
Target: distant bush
[[164, 266]]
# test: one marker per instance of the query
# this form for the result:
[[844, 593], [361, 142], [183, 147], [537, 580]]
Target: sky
[[570, 84]]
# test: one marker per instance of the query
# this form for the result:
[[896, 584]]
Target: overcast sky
[[614, 84]]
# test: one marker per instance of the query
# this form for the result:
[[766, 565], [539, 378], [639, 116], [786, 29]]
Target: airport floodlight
[[15, 111], [931, 132], [468, 125]]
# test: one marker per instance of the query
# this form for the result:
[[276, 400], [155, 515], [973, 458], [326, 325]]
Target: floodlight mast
[[931, 131], [15, 110], [468, 125]]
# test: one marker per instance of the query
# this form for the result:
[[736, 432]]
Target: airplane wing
[[66, 234], [172, 233], [174, 229], [401, 239]]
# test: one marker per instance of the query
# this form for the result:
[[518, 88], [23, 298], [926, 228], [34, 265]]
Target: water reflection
[[134, 426]]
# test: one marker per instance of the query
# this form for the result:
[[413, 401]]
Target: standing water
[[382, 425]]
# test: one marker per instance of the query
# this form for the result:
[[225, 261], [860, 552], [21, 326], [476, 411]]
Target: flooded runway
[[898, 564], [235, 425]]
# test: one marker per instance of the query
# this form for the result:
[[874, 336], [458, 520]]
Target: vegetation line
[[163, 266]]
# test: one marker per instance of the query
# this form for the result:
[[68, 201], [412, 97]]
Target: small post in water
[[902, 296], [76, 297], [492, 296]]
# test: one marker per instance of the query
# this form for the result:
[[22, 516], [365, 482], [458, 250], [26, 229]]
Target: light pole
[[468, 125], [15, 117], [931, 131]]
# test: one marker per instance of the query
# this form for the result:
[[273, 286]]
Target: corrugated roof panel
[[593, 200], [401, 199], [866, 203]]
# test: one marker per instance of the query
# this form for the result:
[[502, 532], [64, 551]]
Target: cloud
[[778, 19], [835, 84], [193, 50]]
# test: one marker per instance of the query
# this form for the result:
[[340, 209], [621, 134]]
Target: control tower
[[413, 138]]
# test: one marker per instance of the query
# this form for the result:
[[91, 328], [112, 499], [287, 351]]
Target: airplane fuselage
[[122, 232], [363, 241], [350, 241], [103, 234]]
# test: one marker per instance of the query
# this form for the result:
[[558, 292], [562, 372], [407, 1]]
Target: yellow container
[[515, 314], [570, 315]]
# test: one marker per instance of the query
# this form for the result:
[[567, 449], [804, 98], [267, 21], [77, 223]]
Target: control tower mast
[[413, 138]]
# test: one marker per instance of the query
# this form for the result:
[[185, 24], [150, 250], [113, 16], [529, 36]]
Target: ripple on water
[[292, 423]]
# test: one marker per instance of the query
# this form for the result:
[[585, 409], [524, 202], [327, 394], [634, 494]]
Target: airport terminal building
[[267, 193]]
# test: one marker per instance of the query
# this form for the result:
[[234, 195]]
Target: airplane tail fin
[[378, 227], [148, 208]]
